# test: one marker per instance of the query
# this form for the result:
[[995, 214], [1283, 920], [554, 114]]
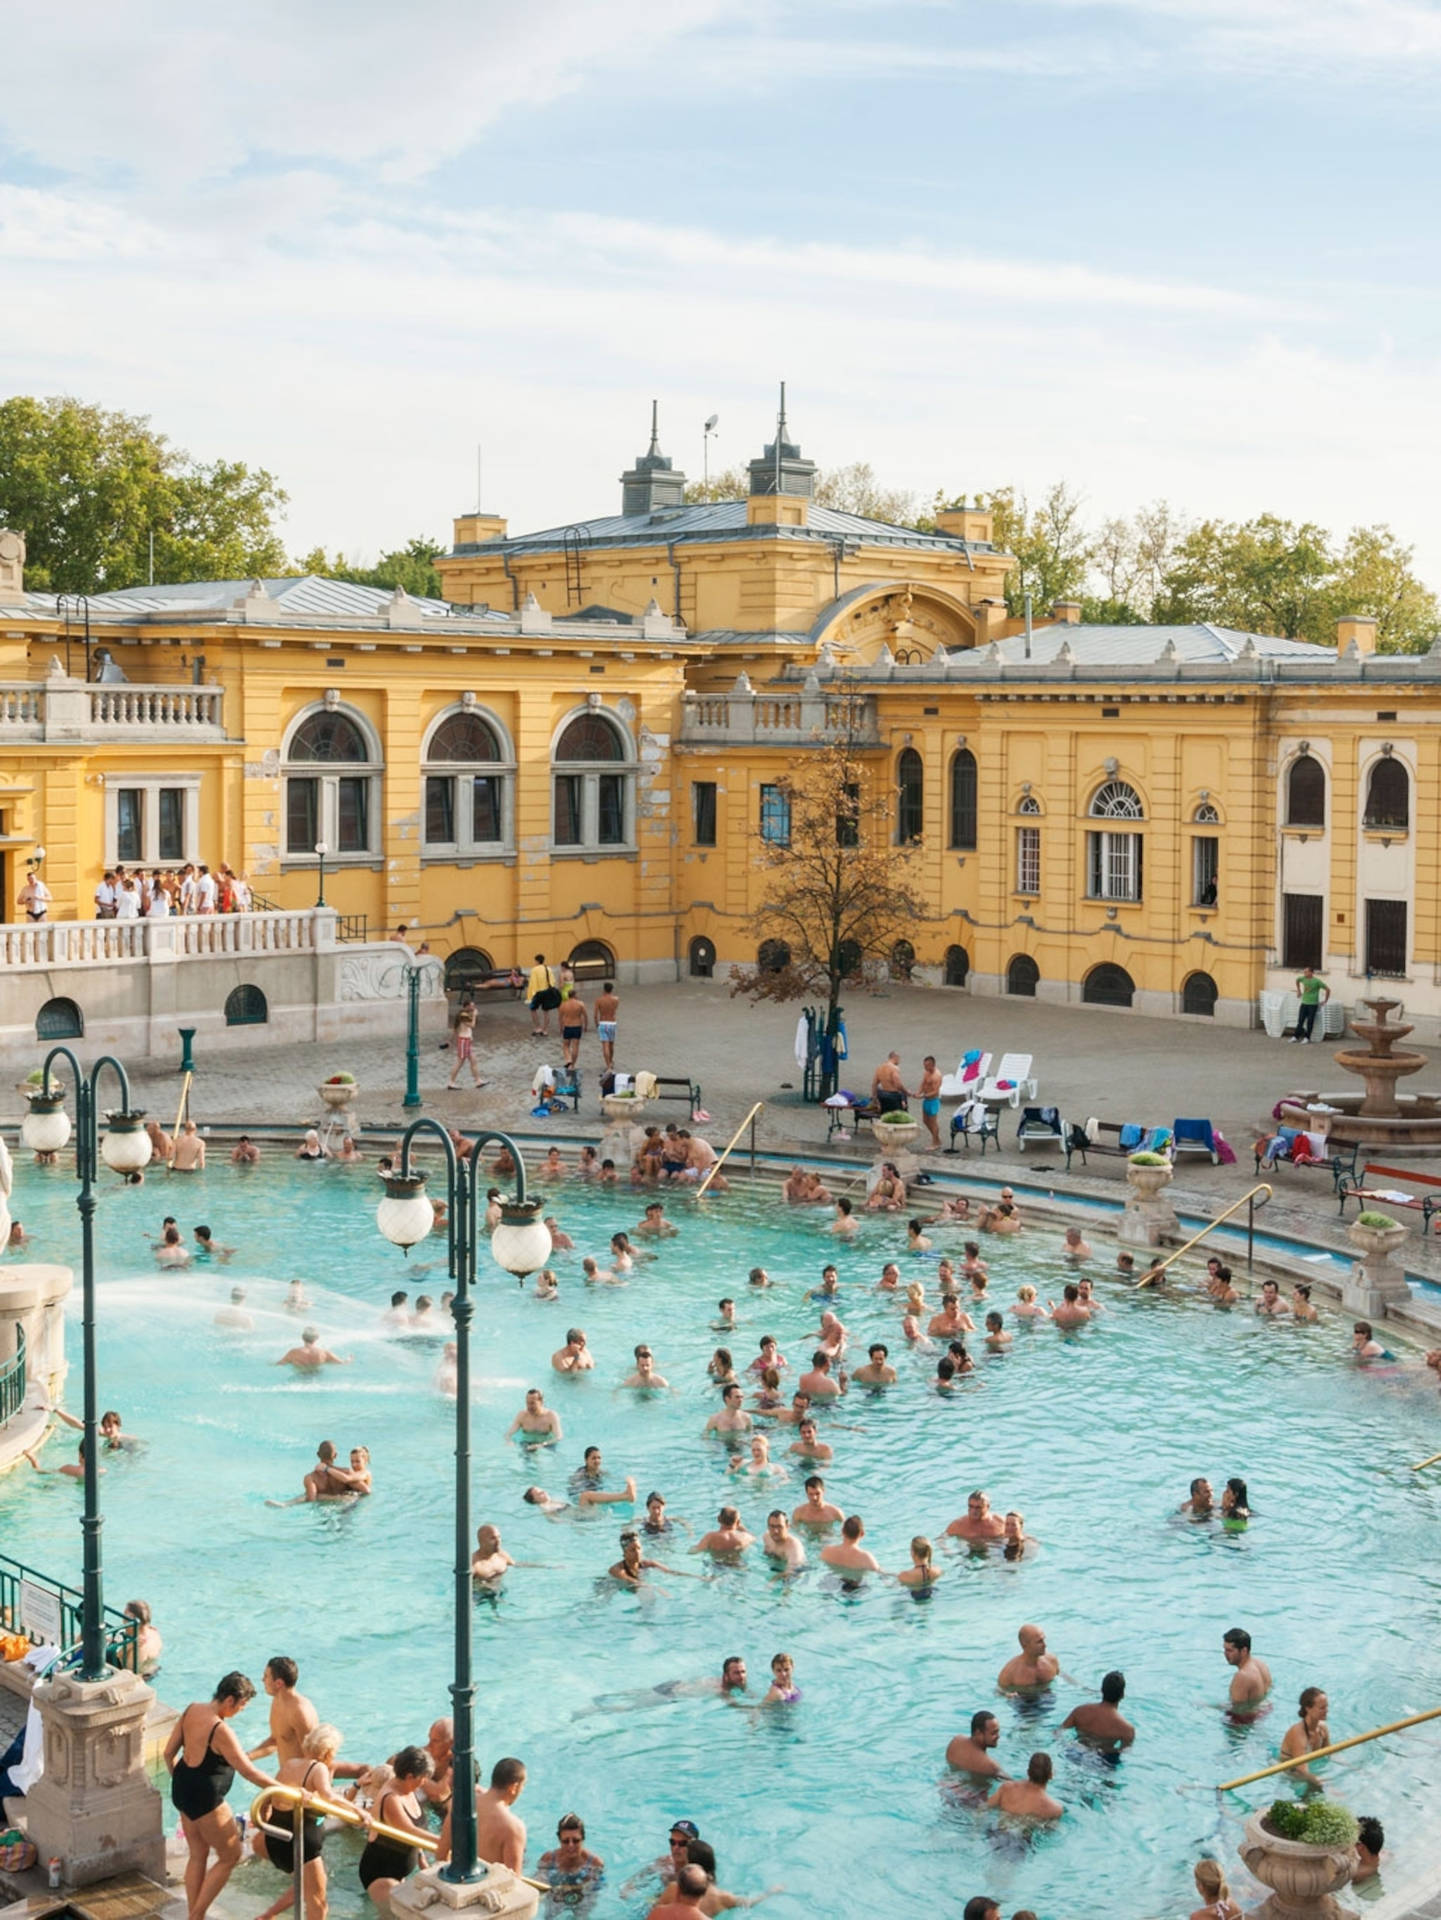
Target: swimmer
[[189, 1154], [1301, 1308], [310, 1354], [17, 1237], [1100, 1721], [575, 1356], [632, 1567], [1074, 1246], [727, 1310], [845, 1223], [945, 1381], [623, 1254], [1309, 1733], [889, 1193], [315, 1481], [296, 1300], [977, 1522], [1029, 1796], [818, 1382], [980, 1282], [877, 1371], [815, 1510], [1251, 1681], [397, 1314], [554, 1509], [235, 1316], [921, 1574], [245, 1153], [997, 1339], [172, 1252], [956, 1207], [792, 1415], [768, 1397], [608, 1175], [769, 1356], [1364, 1345], [721, 1367], [1030, 1669], [810, 1447], [911, 1333], [591, 1471], [797, 1186], [645, 1375], [493, 1206], [830, 1335], [1223, 1293], [758, 1277], [552, 1167], [971, 1752], [446, 1378], [760, 1466], [783, 1691], [594, 1275], [655, 1223], [588, 1166], [70, 1471], [915, 1301], [423, 1319], [1235, 1501], [1088, 1297], [917, 1240], [727, 1539], [952, 1319], [1071, 1313], [1015, 1539], [1215, 1892], [559, 1239], [546, 1285], [1126, 1265], [206, 1248], [890, 1280], [1200, 1505], [657, 1522], [829, 1289], [1027, 1306], [971, 1262], [1001, 1218], [349, 1154], [1270, 1304], [538, 1422], [490, 1562], [310, 1147], [847, 1555], [778, 1543], [730, 1416]]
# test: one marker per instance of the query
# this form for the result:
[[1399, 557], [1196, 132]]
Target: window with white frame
[[1114, 859], [469, 780], [1028, 859], [593, 786], [332, 787], [153, 821], [1205, 869]]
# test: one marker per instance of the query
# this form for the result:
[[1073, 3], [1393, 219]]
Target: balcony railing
[[78, 943], [63, 709], [12, 1380], [121, 1632], [799, 719]]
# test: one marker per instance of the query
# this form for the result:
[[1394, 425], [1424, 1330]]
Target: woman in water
[[1301, 1308], [569, 1869], [783, 1689], [722, 1368], [921, 1574], [915, 1298], [770, 1396], [1309, 1734], [310, 1147], [204, 1756], [1027, 1306], [148, 1643], [387, 1859], [889, 1193], [1216, 1901], [311, 1774], [1235, 1503]]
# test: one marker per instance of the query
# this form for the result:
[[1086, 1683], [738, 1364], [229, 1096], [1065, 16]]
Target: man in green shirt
[[1314, 994]]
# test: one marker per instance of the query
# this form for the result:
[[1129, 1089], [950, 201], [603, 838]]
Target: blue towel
[[1132, 1135], [1158, 1139], [970, 1058]]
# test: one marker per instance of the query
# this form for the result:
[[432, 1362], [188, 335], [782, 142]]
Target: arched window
[[702, 958], [1306, 792], [773, 956], [958, 966], [849, 959], [903, 960], [60, 1020], [1108, 986], [1114, 859], [593, 785], [466, 969], [339, 808], [1023, 976], [246, 1007], [910, 797], [1206, 815], [592, 960], [1199, 994], [469, 774], [1028, 803], [963, 799], [1388, 796]]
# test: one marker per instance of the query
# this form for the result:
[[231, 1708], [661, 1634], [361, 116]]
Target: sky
[[1178, 249]]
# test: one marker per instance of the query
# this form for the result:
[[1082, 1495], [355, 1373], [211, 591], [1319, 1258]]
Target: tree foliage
[[852, 489], [411, 566], [89, 488], [839, 895]]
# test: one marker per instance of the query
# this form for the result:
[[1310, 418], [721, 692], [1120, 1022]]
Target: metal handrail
[[1336, 1746], [729, 1144], [1195, 1239], [351, 1816], [12, 1380], [121, 1630]]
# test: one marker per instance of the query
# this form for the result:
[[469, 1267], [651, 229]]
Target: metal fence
[[121, 1633], [12, 1380]]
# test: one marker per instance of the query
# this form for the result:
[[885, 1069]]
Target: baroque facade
[[573, 751]]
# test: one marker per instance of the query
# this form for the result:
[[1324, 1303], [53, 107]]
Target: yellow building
[[572, 753]]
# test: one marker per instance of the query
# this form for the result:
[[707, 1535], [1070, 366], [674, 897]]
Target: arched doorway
[[903, 960], [849, 958], [467, 969], [246, 1007], [702, 958], [592, 960], [1199, 994], [1023, 976], [773, 956], [1108, 986], [60, 1020], [958, 966]]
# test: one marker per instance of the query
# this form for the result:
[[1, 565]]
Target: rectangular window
[[1114, 867], [352, 808], [1386, 938], [1028, 859], [171, 844], [1301, 929], [702, 799], [439, 810], [775, 816], [302, 815], [567, 809], [1205, 869], [610, 810], [963, 801], [128, 827], [848, 820], [485, 817]]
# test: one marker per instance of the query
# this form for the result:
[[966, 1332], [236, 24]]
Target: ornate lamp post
[[520, 1244], [412, 972], [321, 849], [125, 1149]]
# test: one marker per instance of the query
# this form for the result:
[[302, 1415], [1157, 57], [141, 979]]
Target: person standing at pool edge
[[607, 1012], [542, 994], [204, 1756]]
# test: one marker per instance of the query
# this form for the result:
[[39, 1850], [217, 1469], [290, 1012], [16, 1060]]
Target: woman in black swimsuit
[[311, 1773], [385, 1862], [204, 1756]]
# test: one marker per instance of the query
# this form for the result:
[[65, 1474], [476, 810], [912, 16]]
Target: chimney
[[12, 563], [1356, 630], [476, 529], [1068, 612], [975, 524]]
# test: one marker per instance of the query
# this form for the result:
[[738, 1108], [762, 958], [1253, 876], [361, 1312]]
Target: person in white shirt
[[205, 891], [159, 907], [34, 896], [127, 903], [187, 888], [105, 897], [240, 893]]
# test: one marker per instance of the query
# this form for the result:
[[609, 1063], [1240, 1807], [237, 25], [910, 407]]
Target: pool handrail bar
[[1336, 1746], [1210, 1227], [1429, 1462], [352, 1816], [729, 1144]]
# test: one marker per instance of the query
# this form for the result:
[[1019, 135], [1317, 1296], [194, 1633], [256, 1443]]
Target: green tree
[[411, 566], [89, 488], [1373, 575], [855, 489], [1052, 546], [731, 483], [1265, 575]]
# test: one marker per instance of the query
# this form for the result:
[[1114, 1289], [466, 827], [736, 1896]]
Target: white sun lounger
[[954, 1087], [1015, 1067]]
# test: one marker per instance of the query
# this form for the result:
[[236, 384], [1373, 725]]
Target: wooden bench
[[499, 980], [1350, 1188], [674, 1086], [1107, 1143]]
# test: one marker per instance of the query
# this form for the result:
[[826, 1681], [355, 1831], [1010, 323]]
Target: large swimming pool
[[839, 1798]]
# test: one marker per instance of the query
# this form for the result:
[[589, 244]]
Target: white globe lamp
[[125, 1147], [521, 1241], [405, 1216]]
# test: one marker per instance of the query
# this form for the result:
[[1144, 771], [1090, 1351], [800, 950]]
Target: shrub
[[1320, 1824], [1378, 1222], [1149, 1160], [1285, 1819], [898, 1119], [341, 1080]]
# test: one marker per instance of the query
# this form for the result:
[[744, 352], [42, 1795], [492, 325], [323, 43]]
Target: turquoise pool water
[[839, 1799]]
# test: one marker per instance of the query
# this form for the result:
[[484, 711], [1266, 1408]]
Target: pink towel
[[972, 1072]]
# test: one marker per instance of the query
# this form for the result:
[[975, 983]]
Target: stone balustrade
[[81, 943], [804, 718], [64, 709]]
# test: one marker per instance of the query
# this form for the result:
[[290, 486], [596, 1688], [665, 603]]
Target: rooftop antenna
[[655, 426], [780, 434], [1028, 626], [710, 427], [479, 477]]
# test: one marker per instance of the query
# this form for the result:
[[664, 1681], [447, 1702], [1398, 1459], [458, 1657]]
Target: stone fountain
[[1378, 1117]]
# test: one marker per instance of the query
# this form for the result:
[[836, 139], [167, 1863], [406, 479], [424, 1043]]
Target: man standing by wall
[[1314, 994]]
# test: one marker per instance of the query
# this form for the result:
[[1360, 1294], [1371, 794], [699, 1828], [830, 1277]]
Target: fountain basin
[[1379, 1116]]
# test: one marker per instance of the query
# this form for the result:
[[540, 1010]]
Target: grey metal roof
[[296, 593], [1128, 646], [722, 520]]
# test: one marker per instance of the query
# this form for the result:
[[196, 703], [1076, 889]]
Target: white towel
[[1093, 1130], [802, 1040], [544, 1080], [645, 1085]]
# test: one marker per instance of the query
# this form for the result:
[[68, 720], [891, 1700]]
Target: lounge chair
[[973, 1120], [966, 1079], [1011, 1082], [1195, 1136], [1040, 1124]]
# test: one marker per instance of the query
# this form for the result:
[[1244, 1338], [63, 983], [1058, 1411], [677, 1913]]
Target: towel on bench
[[1131, 1135]]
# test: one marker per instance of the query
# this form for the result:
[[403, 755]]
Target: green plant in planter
[[897, 1119], [1149, 1160], [35, 1076], [341, 1080], [1322, 1823], [1378, 1222]]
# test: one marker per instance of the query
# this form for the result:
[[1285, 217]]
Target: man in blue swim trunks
[[930, 1092]]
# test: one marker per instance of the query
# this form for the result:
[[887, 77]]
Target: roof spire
[[781, 467], [652, 483], [655, 426], [781, 416]]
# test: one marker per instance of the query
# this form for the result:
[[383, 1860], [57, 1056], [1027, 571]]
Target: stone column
[[501, 1892], [94, 1808], [1376, 1282]]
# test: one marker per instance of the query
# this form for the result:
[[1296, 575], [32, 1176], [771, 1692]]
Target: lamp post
[[520, 1243], [412, 972], [321, 849], [125, 1149]]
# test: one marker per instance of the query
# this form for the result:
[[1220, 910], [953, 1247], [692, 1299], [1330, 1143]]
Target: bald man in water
[[1032, 1668]]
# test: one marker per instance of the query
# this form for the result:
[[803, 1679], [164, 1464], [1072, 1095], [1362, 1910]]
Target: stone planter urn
[[338, 1094], [1149, 1218], [1376, 1281], [896, 1135], [1302, 1877], [621, 1107]]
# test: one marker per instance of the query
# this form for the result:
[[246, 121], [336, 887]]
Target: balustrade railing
[[126, 706], [73, 943], [72, 708], [802, 718]]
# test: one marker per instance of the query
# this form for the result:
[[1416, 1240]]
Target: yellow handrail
[[729, 1144], [1336, 1746], [353, 1817], [1210, 1227], [1426, 1463], [184, 1100]]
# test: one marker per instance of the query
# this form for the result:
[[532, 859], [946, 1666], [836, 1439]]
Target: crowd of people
[[158, 893]]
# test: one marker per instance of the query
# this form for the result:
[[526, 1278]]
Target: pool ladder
[[1247, 1200], [749, 1121]]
